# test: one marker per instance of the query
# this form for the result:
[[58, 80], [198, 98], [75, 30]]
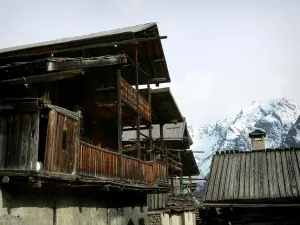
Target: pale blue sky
[[222, 55]]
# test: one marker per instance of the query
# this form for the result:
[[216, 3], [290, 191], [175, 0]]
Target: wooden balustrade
[[129, 95], [101, 163]]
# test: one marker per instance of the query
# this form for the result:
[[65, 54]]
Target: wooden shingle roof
[[254, 176]]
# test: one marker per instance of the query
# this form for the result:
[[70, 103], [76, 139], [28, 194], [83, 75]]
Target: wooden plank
[[218, 178], [3, 139], [10, 130], [256, 175], [50, 144], [270, 174], [287, 184], [210, 189], [247, 175], [274, 177], [58, 150], [237, 175], [228, 175], [252, 174], [28, 164], [24, 146], [291, 173], [261, 174], [34, 142], [279, 174], [232, 176], [223, 177], [296, 170], [16, 141], [242, 176]]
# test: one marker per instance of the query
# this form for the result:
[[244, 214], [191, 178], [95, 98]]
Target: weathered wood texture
[[129, 96], [96, 162], [156, 201], [19, 139], [60, 143], [254, 175]]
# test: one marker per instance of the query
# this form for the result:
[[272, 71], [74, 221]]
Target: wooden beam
[[138, 119], [134, 128], [49, 77], [55, 64], [250, 205], [119, 118], [38, 51]]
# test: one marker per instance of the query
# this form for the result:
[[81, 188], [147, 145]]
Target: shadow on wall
[[75, 206]]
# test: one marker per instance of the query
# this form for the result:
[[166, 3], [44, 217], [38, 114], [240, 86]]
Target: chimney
[[257, 140]]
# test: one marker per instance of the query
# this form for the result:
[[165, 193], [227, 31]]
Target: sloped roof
[[170, 131], [254, 176], [118, 31], [164, 106]]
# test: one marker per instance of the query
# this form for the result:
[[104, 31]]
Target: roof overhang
[[189, 165], [164, 106], [145, 37]]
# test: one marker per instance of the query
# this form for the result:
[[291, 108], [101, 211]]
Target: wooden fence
[[97, 162]]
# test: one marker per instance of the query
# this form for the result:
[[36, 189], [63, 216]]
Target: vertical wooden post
[[119, 112], [150, 124], [172, 184], [190, 179], [161, 132], [77, 139], [180, 181], [138, 119]]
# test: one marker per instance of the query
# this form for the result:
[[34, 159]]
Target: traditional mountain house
[[254, 187], [64, 105]]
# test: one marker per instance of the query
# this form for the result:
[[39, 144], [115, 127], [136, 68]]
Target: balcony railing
[[129, 95], [101, 163]]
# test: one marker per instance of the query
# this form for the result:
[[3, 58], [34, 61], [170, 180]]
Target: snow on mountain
[[277, 117]]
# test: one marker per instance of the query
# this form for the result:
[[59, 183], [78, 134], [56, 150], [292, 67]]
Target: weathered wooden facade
[[65, 103], [254, 187]]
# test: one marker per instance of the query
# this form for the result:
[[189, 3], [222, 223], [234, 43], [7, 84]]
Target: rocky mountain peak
[[279, 118]]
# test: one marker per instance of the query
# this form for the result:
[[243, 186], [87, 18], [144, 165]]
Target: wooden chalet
[[65, 103], [254, 187]]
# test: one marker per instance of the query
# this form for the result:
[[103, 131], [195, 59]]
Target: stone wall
[[53, 206], [155, 218]]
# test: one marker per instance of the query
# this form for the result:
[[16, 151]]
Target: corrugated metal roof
[[130, 29], [171, 132], [254, 176]]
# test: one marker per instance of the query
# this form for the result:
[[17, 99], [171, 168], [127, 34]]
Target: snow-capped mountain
[[279, 118]]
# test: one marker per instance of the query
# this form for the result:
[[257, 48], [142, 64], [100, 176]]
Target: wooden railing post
[[119, 113], [77, 146]]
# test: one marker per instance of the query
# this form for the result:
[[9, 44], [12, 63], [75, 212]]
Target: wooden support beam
[[138, 119], [37, 51], [134, 128], [119, 118], [180, 177], [150, 60], [150, 125], [49, 77], [55, 64]]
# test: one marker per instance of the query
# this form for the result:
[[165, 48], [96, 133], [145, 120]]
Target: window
[[65, 141]]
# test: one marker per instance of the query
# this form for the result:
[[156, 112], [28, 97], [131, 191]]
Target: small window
[[65, 141]]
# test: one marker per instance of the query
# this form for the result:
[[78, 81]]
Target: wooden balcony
[[132, 103], [101, 163], [129, 96]]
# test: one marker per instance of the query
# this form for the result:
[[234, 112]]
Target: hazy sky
[[221, 55]]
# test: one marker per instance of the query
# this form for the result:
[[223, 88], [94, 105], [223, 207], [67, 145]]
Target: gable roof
[[254, 176]]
